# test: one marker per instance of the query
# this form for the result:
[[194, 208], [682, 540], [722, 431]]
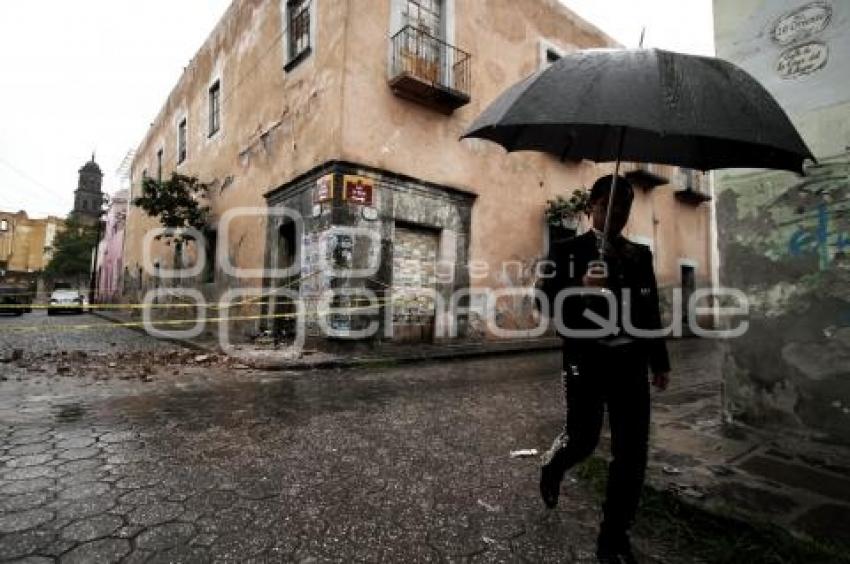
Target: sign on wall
[[794, 48], [324, 191], [358, 190]]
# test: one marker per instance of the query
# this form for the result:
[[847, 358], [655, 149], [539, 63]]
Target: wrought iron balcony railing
[[428, 70]]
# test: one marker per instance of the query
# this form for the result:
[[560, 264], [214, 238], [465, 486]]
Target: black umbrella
[[645, 105]]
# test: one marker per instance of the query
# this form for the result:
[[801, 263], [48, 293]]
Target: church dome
[[91, 167]]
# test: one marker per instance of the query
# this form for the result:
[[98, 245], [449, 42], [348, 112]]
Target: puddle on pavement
[[69, 412], [296, 399]]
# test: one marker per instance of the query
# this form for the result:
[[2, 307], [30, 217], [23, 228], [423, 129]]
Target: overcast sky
[[90, 75]]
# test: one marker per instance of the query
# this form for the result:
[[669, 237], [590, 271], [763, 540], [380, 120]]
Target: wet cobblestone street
[[400, 464], [38, 333]]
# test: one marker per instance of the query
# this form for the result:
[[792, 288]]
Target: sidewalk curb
[[471, 351], [446, 352], [183, 343]]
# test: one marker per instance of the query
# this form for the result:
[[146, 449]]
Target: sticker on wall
[[801, 24], [370, 213], [802, 60], [317, 210], [358, 190], [324, 190]]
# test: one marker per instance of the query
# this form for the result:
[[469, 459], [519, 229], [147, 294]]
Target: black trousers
[[599, 377]]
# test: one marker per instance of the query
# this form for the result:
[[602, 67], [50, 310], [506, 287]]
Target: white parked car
[[66, 301]]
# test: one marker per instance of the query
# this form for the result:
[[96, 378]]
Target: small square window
[[181, 141], [215, 107]]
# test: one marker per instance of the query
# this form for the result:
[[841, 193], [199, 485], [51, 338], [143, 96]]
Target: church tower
[[88, 197]]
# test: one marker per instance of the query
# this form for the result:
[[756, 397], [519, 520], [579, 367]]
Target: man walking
[[605, 361]]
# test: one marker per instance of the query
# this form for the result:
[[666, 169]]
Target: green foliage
[[565, 208], [72, 250], [175, 202]]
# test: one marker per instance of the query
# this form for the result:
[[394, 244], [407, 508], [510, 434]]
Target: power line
[[26, 176]]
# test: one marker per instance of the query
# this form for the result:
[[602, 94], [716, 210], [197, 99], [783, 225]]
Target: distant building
[[26, 245], [338, 124], [110, 249], [88, 197]]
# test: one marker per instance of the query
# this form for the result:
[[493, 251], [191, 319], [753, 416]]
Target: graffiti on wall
[[821, 206], [785, 240]]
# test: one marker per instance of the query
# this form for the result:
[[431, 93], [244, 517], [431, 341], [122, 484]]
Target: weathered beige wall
[[380, 129], [274, 124], [504, 38], [679, 231], [23, 245]]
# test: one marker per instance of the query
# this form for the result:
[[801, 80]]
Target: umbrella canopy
[[645, 105]]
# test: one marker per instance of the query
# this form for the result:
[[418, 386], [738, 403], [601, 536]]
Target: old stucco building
[[784, 239], [328, 133], [110, 249], [26, 245]]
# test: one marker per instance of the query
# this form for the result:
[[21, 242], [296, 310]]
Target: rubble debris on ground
[[124, 365]]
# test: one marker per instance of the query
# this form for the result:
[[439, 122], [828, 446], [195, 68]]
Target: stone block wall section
[[395, 243]]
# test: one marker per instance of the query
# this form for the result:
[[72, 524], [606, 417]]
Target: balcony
[[692, 191], [643, 176], [691, 196], [427, 70]]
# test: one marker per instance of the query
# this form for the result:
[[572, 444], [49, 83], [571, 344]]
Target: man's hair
[[623, 192]]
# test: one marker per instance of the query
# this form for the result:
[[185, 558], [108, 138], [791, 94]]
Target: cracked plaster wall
[[785, 239]]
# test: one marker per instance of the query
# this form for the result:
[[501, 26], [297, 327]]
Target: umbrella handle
[[611, 194]]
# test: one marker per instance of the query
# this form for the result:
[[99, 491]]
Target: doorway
[[688, 274], [283, 307], [415, 253]]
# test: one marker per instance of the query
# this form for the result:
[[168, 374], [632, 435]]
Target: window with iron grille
[[181, 141], [215, 107], [298, 30], [424, 45]]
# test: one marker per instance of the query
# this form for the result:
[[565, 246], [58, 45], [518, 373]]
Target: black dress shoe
[[616, 550], [607, 558], [550, 485]]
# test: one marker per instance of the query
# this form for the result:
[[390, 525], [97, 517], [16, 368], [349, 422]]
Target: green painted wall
[[784, 239]]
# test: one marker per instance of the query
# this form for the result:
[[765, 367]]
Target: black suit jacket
[[630, 266]]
